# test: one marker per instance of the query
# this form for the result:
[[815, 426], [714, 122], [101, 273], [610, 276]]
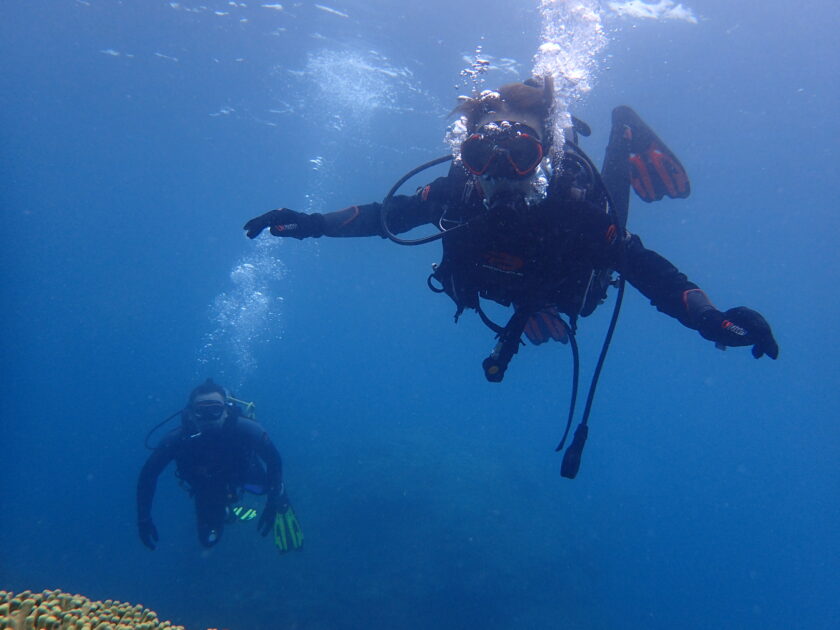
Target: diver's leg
[[210, 517], [615, 172], [255, 479]]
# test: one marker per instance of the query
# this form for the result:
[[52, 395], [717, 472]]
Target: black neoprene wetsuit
[[533, 257], [216, 466]]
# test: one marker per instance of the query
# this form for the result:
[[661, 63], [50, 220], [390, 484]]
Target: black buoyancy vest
[[538, 255], [221, 456]]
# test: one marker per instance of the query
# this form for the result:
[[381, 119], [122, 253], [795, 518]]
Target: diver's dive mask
[[208, 410], [518, 145]]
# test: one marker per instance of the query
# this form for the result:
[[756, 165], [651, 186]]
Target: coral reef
[[55, 610]]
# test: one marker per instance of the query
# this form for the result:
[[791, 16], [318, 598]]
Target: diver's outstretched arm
[[408, 211], [672, 293]]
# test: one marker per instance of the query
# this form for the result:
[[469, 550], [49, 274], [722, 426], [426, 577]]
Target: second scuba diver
[[219, 454]]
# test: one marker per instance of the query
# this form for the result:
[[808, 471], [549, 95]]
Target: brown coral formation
[[54, 610]]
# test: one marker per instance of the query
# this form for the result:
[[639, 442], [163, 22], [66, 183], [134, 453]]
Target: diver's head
[[507, 135], [207, 405]]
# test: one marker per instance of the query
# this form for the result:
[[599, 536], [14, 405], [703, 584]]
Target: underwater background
[[138, 137]]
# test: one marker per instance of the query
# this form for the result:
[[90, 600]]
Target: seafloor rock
[[54, 610]]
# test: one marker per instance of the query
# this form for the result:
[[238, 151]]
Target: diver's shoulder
[[172, 439], [247, 426]]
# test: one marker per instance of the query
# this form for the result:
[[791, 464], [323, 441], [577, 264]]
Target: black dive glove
[[739, 326], [285, 222], [273, 505], [148, 532]]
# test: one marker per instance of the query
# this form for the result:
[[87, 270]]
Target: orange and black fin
[[637, 157]]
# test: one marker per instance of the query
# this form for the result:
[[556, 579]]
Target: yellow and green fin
[[244, 513], [287, 532]]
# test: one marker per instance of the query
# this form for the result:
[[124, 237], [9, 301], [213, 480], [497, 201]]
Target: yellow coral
[[54, 610]]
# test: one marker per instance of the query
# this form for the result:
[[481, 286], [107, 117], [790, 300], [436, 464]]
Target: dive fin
[[287, 532], [654, 169], [242, 513], [545, 325], [637, 157]]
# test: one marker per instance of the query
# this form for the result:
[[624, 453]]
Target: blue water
[[138, 137]]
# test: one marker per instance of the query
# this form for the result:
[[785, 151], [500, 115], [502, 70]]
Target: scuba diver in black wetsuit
[[219, 453], [526, 220]]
